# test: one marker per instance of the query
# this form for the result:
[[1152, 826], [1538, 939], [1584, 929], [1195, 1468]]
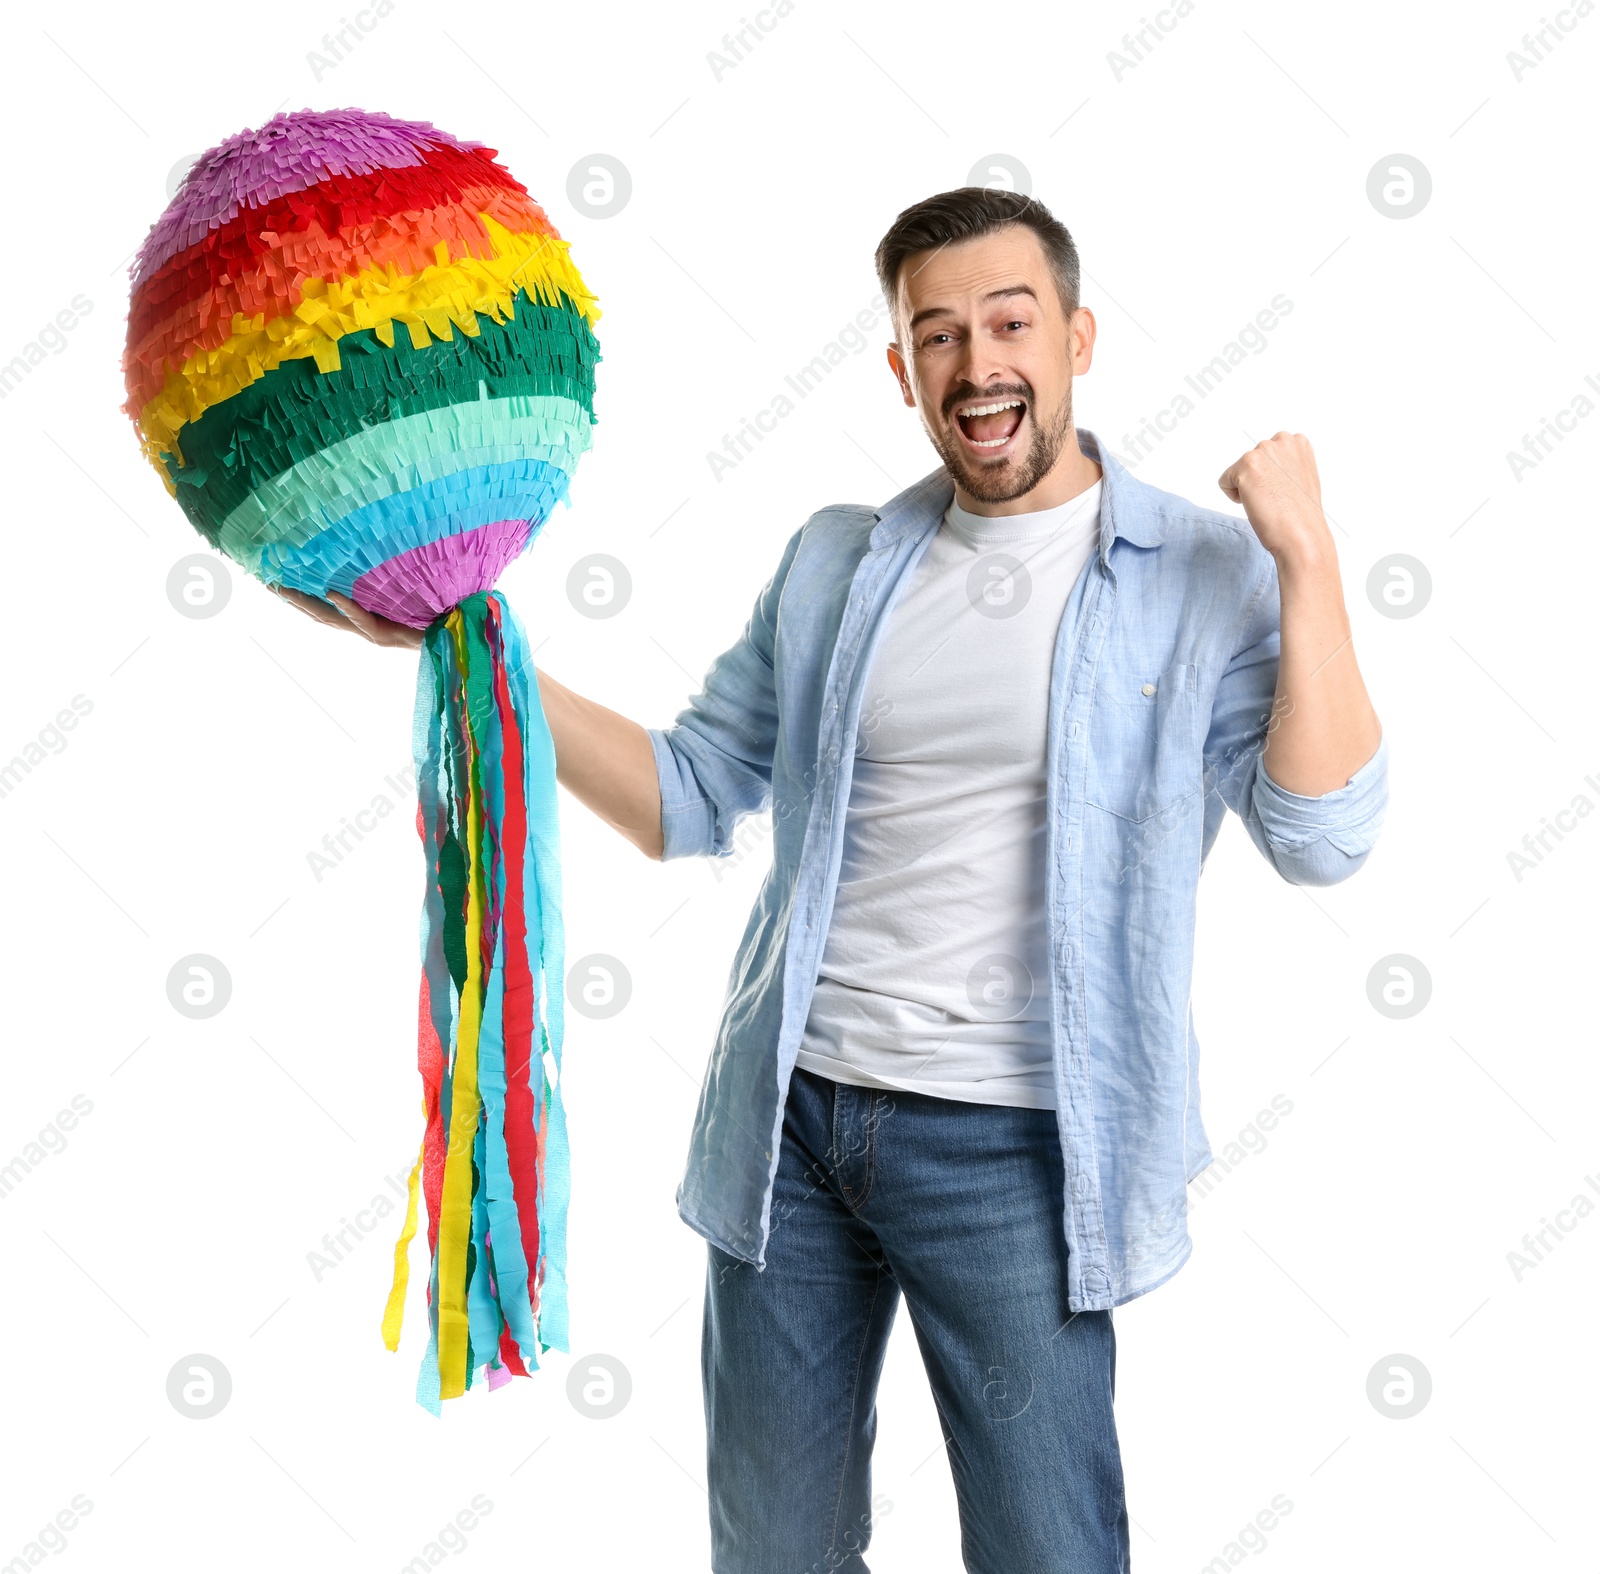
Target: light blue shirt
[[1161, 689]]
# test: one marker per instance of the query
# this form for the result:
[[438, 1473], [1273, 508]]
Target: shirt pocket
[[1145, 743]]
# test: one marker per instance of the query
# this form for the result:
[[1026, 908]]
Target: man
[[997, 722]]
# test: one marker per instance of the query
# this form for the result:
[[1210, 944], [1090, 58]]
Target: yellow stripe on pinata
[[430, 305]]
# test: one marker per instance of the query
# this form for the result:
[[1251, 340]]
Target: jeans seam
[[855, 1391], [872, 1147], [835, 1149]]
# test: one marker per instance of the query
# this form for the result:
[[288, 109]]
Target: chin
[[998, 481]]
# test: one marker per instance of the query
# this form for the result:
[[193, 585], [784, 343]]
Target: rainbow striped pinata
[[361, 359]]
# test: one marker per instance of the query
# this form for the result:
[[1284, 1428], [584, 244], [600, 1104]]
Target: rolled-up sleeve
[[715, 762], [1308, 840], [1325, 839]]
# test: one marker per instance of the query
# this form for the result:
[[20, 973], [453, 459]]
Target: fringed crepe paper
[[361, 359]]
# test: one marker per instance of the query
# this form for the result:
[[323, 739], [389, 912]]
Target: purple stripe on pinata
[[289, 153], [418, 585]]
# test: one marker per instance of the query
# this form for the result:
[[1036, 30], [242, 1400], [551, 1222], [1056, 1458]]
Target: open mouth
[[989, 427]]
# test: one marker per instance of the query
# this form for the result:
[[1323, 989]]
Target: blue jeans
[[959, 1207]]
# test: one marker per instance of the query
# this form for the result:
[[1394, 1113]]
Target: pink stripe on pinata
[[417, 586], [290, 153]]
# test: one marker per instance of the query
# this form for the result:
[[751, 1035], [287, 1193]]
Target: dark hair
[[965, 214]]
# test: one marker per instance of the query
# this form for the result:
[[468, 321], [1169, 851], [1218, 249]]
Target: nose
[[983, 366]]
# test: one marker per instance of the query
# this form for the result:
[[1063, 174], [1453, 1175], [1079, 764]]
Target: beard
[[1010, 478]]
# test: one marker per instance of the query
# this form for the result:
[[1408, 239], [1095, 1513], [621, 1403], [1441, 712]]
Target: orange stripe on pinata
[[430, 304], [405, 243]]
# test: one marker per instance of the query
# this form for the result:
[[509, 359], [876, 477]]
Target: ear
[[897, 364], [1081, 329]]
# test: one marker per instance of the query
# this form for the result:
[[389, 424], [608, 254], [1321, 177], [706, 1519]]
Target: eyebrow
[[993, 295]]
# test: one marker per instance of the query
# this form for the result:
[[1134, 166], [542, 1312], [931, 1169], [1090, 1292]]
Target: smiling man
[[997, 722]]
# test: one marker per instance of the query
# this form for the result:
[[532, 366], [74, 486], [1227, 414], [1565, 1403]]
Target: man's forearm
[[1323, 728], [606, 762]]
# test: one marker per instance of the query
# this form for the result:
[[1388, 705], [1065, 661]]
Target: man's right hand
[[341, 612], [603, 759]]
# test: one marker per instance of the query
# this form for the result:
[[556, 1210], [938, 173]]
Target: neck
[[1074, 472]]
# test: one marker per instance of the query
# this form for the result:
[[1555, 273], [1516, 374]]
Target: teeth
[[990, 409]]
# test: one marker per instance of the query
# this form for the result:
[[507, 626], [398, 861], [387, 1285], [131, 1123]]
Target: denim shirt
[[1161, 690]]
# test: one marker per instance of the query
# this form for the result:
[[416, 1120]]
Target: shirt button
[[1148, 689]]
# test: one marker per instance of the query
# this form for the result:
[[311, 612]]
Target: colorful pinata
[[361, 359]]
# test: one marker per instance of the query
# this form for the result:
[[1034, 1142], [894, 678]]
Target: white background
[[1227, 167]]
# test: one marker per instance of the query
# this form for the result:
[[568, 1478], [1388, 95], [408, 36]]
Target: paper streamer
[[492, 961]]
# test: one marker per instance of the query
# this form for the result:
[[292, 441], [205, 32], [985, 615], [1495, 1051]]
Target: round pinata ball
[[361, 359]]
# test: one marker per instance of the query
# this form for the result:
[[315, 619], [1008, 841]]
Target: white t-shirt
[[935, 975]]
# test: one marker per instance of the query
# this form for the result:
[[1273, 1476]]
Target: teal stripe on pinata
[[337, 557], [390, 460]]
